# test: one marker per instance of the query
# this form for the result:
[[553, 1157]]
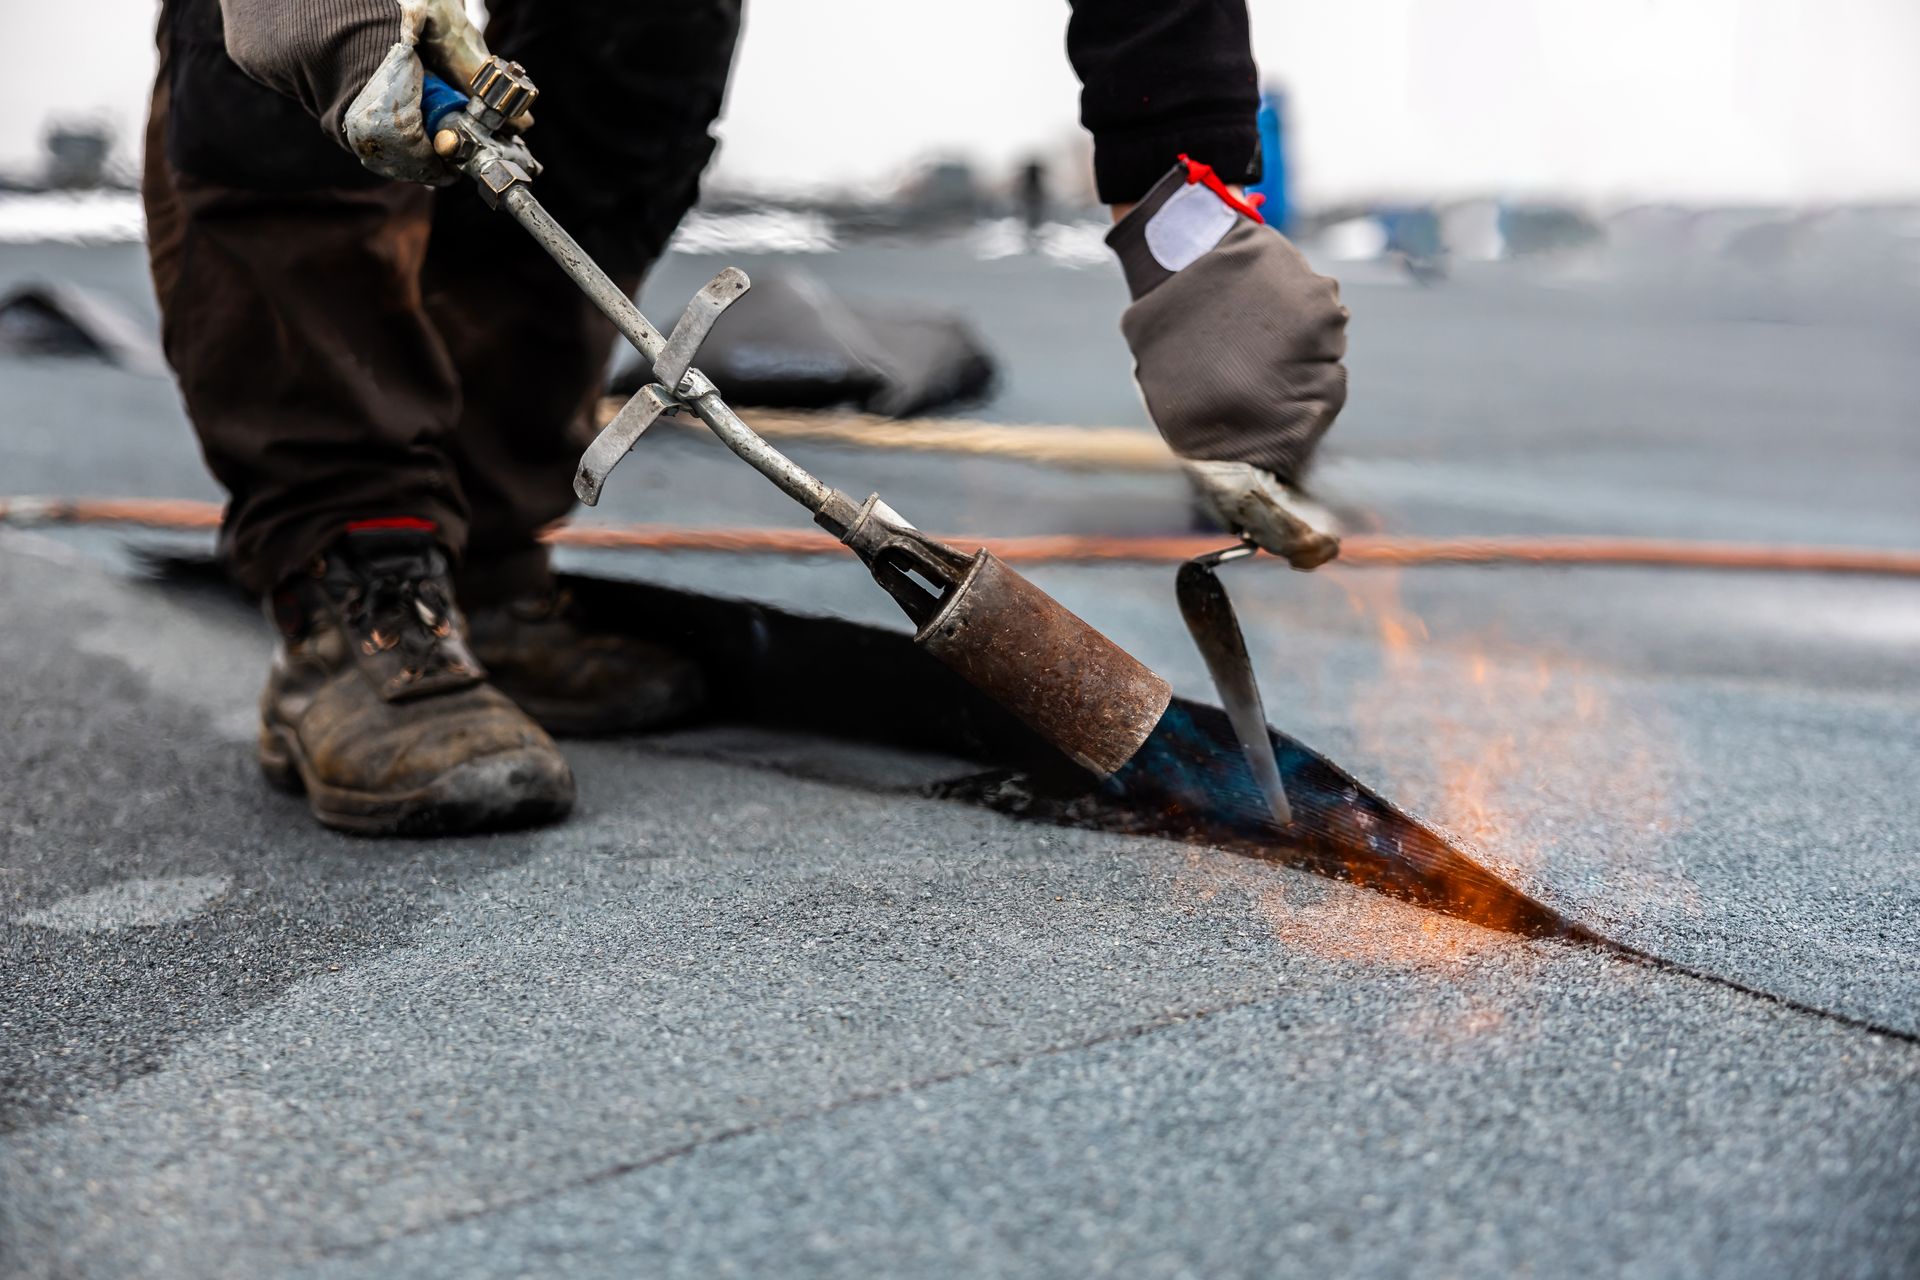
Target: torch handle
[[695, 391]]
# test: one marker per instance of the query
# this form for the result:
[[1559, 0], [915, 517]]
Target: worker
[[394, 383]]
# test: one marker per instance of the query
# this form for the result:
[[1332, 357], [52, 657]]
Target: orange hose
[[1364, 550]]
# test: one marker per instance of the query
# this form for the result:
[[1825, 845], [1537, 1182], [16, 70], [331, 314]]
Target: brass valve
[[501, 91]]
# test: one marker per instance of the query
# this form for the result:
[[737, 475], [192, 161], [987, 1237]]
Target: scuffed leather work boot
[[576, 679], [377, 710]]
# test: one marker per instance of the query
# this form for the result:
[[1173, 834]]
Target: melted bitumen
[[1191, 782]]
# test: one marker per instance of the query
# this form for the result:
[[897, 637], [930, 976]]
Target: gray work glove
[[356, 66], [1237, 348]]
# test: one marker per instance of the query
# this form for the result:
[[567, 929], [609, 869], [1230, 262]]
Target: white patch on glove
[[1192, 221]]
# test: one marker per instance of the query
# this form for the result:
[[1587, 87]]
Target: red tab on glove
[[1206, 177]]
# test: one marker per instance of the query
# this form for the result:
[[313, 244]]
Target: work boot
[[378, 711], [578, 679]]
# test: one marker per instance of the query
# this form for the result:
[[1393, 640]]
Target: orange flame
[[1515, 751], [1502, 746]]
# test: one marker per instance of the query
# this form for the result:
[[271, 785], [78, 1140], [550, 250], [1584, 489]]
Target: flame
[[1521, 755], [1528, 764], [1506, 747]]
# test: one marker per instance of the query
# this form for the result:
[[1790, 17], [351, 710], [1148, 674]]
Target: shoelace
[[399, 609]]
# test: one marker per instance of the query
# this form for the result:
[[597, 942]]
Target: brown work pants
[[351, 348]]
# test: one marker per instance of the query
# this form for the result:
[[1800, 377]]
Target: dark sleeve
[[1159, 77], [320, 53]]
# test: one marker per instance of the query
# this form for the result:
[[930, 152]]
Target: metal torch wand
[[1066, 681]]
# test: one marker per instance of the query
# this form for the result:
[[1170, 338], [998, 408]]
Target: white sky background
[[1773, 100]]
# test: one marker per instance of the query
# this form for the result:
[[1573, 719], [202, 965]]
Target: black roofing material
[[62, 319], [1190, 781]]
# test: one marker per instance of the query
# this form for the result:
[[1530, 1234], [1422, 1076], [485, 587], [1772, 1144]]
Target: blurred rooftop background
[[1600, 101]]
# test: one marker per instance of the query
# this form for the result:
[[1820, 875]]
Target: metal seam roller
[[1067, 682]]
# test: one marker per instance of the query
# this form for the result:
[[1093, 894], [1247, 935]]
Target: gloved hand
[[1257, 504], [1237, 348], [356, 66]]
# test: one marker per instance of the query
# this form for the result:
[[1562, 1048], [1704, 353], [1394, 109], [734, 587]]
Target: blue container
[[1278, 210]]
